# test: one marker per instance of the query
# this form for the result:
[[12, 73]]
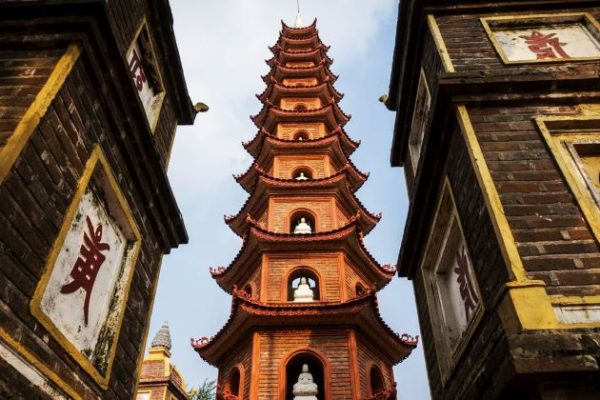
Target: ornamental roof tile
[[361, 312], [339, 180]]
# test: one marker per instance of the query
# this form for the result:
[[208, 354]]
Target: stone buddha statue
[[305, 388], [301, 177], [303, 293], [302, 227]]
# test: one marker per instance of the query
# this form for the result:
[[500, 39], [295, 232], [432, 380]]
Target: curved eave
[[338, 185], [285, 42], [316, 54], [319, 71], [299, 33], [271, 115], [325, 91], [271, 146], [257, 240], [254, 146], [361, 313]]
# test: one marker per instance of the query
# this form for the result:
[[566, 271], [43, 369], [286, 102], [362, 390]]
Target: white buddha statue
[[305, 388], [303, 293], [302, 227], [301, 177]]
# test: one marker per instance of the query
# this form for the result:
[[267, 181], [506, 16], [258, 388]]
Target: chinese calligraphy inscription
[[466, 289], [87, 265], [564, 41]]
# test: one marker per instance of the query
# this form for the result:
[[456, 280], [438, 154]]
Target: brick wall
[[326, 265], [286, 165], [287, 131], [275, 347], [32, 210]]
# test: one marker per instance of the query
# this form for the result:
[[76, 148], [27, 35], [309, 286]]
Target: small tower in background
[[160, 380]]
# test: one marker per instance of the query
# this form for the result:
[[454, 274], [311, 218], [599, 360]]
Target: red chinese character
[[545, 46], [137, 71], [87, 265], [467, 292]]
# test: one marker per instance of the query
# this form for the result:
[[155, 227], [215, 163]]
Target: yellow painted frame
[[526, 305], [508, 21], [144, 25], [38, 364], [96, 158], [446, 367], [36, 110], [440, 44]]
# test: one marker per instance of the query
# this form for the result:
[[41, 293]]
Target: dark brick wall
[[33, 200], [485, 360], [471, 50], [553, 238]]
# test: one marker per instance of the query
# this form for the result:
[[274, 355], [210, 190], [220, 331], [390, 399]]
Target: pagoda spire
[[298, 21]]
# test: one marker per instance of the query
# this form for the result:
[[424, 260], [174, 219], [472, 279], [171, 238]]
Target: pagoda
[[304, 322]]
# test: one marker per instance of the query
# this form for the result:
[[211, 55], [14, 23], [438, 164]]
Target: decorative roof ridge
[[309, 182], [338, 132], [239, 177], [270, 106], [310, 27], [330, 75], [240, 298], [267, 92], [277, 48], [273, 62], [253, 228]]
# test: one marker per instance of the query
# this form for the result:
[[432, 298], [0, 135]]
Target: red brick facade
[[339, 333]]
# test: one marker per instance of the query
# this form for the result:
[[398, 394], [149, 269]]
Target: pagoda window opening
[[302, 174], [302, 223], [360, 289], [300, 107], [377, 382], [305, 377], [303, 286], [248, 289], [301, 136], [233, 383]]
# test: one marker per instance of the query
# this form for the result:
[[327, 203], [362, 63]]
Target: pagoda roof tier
[[325, 91], [330, 114], [347, 239], [285, 42], [280, 72], [248, 315], [255, 145], [336, 185], [329, 145], [299, 32], [315, 55]]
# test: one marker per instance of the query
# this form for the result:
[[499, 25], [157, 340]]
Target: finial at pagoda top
[[298, 21], [162, 338]]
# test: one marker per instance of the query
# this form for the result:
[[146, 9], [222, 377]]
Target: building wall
[[275, 347]]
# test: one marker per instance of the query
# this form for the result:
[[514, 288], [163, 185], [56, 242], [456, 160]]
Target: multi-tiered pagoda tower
[[304, 322]]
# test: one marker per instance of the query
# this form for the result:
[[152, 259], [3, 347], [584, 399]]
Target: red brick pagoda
[[304, 322]]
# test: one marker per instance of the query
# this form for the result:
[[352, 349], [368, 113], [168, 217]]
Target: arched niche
[[376, 381], [359, 289], [302, 172], [293, 367], [293, 280], [248, 289], [300, 107], [296, 217], [301, 135], [235, 381]]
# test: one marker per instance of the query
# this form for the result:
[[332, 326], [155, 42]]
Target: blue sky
[[223, 46]]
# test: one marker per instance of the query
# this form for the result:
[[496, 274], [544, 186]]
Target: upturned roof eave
[[275, 92], [268, 186], [271, 115], [272, 146], [258, 240], [360, 313]]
